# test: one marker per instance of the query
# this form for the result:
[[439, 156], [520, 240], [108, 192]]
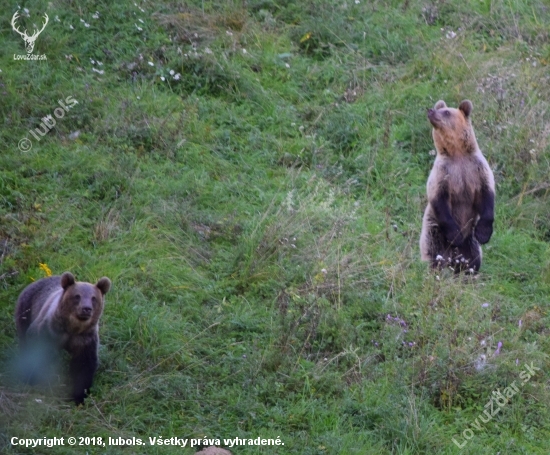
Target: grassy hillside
[[251, 176]]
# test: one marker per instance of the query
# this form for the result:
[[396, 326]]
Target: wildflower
[[480, 362], [44, 267], [57, 19], [138, 27], [150, 63], [98, 71], [96, 15], [485, 305], [177, 77], [86, 24], [497, 352], [162, 78], [519, 324], [71, 27], [450, 34], [172, 72]]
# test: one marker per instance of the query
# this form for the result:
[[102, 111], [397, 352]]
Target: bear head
[[452, 131], [81, 303]]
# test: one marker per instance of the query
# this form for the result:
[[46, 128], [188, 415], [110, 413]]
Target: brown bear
[[61, 313], [461, 193]]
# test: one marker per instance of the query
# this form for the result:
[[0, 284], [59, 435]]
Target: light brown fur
[[460, 192]]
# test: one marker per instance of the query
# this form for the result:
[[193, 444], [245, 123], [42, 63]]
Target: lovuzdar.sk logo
[[29, 39]]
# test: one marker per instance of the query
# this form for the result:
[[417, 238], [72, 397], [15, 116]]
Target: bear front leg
[[448, 226], [82, 368], [486, 208]]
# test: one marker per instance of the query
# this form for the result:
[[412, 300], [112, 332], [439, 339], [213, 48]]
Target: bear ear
[[466, 107], [104, 284], [440, 104], [67, 279]]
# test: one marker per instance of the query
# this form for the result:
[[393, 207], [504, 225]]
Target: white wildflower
[[150, 63], [450, 34], [480, 362]]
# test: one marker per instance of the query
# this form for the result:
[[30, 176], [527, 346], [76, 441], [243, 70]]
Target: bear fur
[[61, 313], [461, 193]]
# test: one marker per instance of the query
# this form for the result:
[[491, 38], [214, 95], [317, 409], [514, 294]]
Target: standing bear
[[461, 193], [61, 313]]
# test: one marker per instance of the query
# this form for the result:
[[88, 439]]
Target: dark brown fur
[[461, 191], [62, 313]]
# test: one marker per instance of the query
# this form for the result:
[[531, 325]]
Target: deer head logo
[[29, 40]]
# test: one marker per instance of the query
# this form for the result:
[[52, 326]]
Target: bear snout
[[432, 116], [85, 313]]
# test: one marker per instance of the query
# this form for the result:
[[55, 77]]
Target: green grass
[[259, 218]]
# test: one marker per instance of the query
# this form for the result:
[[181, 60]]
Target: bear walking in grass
[[61, 313], [461, 193]]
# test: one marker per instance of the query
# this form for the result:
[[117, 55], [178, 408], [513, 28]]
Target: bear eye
[[446, 113], [76, 298]]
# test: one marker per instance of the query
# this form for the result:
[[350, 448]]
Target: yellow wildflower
[[45, 268]]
